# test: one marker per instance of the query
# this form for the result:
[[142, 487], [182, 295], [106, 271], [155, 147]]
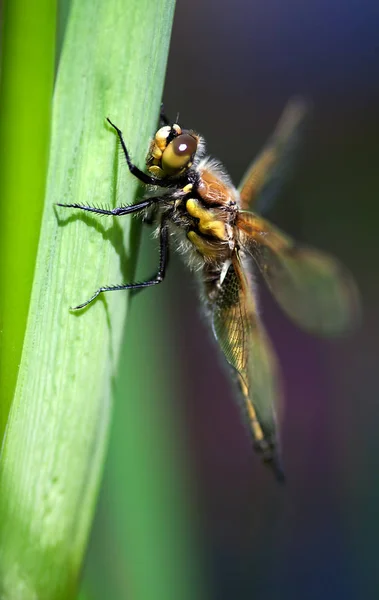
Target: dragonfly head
[[171, 151]]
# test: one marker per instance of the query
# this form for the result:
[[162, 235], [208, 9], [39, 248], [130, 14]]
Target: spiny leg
[[158, 278], [147, 179], [116, 212]]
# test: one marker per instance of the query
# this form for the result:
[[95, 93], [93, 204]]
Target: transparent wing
[[314, 289], [267, 172], [246, 347]]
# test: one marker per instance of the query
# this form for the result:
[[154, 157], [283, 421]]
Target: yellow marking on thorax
[[208, 224], [205, 247]]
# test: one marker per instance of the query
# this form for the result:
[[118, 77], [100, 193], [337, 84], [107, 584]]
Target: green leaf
[[112, 64], [27, 75]]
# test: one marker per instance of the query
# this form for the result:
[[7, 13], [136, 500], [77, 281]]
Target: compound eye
[[179, 152]]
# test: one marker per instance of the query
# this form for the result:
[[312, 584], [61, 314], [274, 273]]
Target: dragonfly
[[224, 239]]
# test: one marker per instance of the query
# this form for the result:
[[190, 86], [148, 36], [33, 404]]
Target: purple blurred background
[[232, 68]]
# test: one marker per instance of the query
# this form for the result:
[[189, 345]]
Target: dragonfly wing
[[266, 173], [314, 289], [246, 347]]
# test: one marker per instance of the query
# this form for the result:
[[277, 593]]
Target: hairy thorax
[[203, 215]]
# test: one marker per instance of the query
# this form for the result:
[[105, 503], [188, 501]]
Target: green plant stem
[[26, 87], [112, 64]]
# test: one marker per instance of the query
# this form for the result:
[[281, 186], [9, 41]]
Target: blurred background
[[232, 67]]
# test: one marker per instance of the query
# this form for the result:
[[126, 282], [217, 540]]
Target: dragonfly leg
[[147, 179], [163, 117], [157, 278], [116, 212]]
